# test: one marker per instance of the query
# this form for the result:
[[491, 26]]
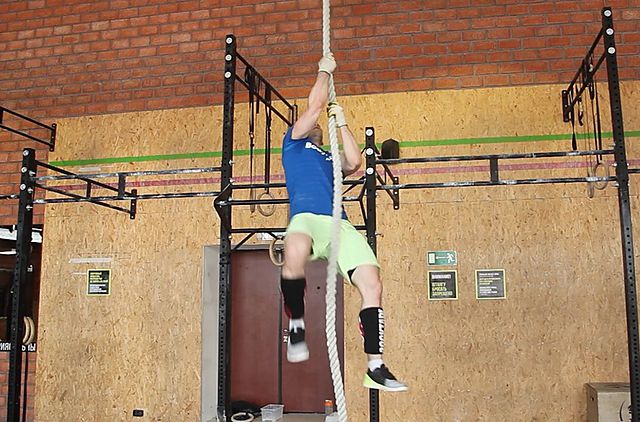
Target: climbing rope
[[330, 319]]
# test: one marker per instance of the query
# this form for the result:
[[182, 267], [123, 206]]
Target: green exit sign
[[442, 258]]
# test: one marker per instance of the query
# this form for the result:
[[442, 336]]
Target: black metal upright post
[[224, 327], [622, 176], [370, 186], [370, 223], [23, 257]]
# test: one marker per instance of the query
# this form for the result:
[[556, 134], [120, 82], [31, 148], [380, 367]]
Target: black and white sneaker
[[382, 379], [297, 350]]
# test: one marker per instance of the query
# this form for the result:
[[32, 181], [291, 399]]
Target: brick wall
[[61, 58], [4, 382]]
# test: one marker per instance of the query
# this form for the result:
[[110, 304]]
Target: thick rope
[[330, 319]]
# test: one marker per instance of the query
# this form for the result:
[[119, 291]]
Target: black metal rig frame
[[223, 206], [578, 86], [23, 252], [224, 202]]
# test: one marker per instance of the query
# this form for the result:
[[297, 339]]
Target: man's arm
[[351, 157], [317, 99]]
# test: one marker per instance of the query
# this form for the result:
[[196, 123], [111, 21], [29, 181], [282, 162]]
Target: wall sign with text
[[443, 285], [98, 282], [491, 284], [449, 258]]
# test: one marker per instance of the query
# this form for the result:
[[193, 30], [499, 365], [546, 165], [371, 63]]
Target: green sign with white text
[[442, 258]]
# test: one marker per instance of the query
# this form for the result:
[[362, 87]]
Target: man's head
[[315, 135]]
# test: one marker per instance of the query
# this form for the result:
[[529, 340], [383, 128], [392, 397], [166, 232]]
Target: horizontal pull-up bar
[[264, 81], [587, 79], [133, 173], [264, 101], [75, 176], [128, 197], [493, 157], [482, 183], [73, 197], [51, 128], [282, 185], [275, 229], [586, 59]]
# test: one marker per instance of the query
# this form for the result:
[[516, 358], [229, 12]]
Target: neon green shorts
[[354, 249]]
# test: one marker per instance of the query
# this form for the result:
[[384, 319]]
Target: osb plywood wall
[[523, 358]]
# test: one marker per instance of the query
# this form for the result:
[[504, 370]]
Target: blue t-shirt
[[308, 171]]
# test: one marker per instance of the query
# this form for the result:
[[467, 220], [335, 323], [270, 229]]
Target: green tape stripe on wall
[[405, 144]]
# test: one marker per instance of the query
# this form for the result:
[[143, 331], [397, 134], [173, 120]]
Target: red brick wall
[[61, 58], [4, 384], [72, 57]]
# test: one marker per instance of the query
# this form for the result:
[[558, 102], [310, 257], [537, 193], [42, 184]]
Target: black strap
[[592, 96], [26, 379], [572, 118], [267, 139], [250, 79], [599, 122], [580, 112]]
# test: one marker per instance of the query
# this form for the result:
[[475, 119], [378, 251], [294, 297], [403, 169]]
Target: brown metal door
[[306, 385], [260, 372], [255, 321]]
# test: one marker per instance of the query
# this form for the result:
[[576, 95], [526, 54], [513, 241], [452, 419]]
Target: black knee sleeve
[[372, 329], [293, 294]]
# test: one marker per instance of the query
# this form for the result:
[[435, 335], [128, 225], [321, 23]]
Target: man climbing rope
[[309, 180]]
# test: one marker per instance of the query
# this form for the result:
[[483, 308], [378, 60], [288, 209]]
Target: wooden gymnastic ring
[[591, 189], [272, 253], [32, 331], [27, 330], [271, 208], [242, 417], [594, 172], [252, 196], [590, 185]]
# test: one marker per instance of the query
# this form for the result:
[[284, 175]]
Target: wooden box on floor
[[608, 402]]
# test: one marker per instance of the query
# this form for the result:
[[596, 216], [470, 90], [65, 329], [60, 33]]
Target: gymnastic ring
[[242, 417], [32, 331], [590, 185], [591, 189], [252, 197], [272, 252], [267, 212], [601, 185], [27, 330]]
